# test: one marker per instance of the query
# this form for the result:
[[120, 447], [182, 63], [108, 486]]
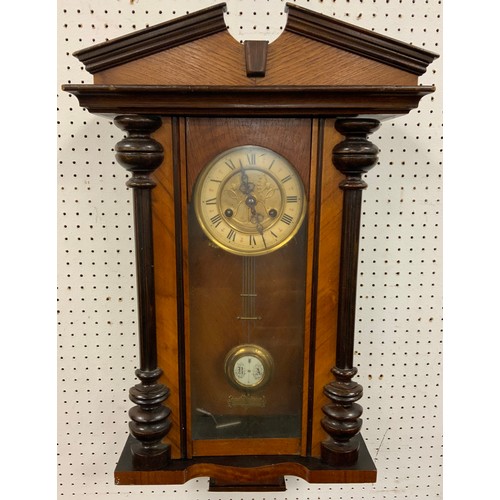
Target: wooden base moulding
[[246, 473]]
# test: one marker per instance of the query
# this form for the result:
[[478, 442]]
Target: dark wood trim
[[154, 39], [140, 154], [245, 469], [314, 291], [176, 155], [358, 40], [349, 252], [353, 156], [271, 484], [388, 101], [256, 57]]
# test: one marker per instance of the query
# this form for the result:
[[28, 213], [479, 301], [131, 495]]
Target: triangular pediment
[[312, 50]]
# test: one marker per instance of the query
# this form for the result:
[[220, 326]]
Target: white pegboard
[[398, 336]]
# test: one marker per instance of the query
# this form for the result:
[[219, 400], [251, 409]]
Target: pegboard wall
[[398, 350]]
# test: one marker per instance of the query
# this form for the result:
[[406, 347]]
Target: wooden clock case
[[185, 90]]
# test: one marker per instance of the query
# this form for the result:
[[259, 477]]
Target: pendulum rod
[[248, 296]]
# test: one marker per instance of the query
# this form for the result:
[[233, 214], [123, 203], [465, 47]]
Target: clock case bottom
[[246, 473]]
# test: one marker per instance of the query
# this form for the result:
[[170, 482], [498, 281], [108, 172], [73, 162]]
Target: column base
[[340, 454], [150, 458]]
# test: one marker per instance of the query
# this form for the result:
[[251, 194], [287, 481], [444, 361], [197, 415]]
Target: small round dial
[[249, 200], [248, 367]]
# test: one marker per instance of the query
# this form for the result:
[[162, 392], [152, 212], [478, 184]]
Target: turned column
[[354, 156], [141, 155]]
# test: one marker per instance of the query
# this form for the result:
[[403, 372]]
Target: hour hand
[[246, 187]]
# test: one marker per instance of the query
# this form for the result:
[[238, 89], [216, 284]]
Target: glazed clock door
[[246, 318]]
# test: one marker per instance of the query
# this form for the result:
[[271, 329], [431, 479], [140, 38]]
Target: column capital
[[139, 153], [355, 155]]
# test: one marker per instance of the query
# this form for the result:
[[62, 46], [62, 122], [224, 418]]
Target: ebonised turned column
[[141, 155], [354, 156]]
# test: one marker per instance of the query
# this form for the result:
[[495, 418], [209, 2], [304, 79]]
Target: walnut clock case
[[247, 165]]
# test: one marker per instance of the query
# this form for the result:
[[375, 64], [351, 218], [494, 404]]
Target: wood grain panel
[[328, 279], [220, 60], [295, 60], [165, 280], [270, 446], [210, 136], [210, 61]]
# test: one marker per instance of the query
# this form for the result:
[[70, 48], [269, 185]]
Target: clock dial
[[248, 367], [250, 200]]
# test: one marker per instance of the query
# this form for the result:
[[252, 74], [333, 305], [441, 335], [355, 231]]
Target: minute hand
[[256, 218]]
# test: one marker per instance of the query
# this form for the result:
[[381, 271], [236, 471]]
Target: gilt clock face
[[250, 201]]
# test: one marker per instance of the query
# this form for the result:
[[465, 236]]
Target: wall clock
[[246, 169]]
